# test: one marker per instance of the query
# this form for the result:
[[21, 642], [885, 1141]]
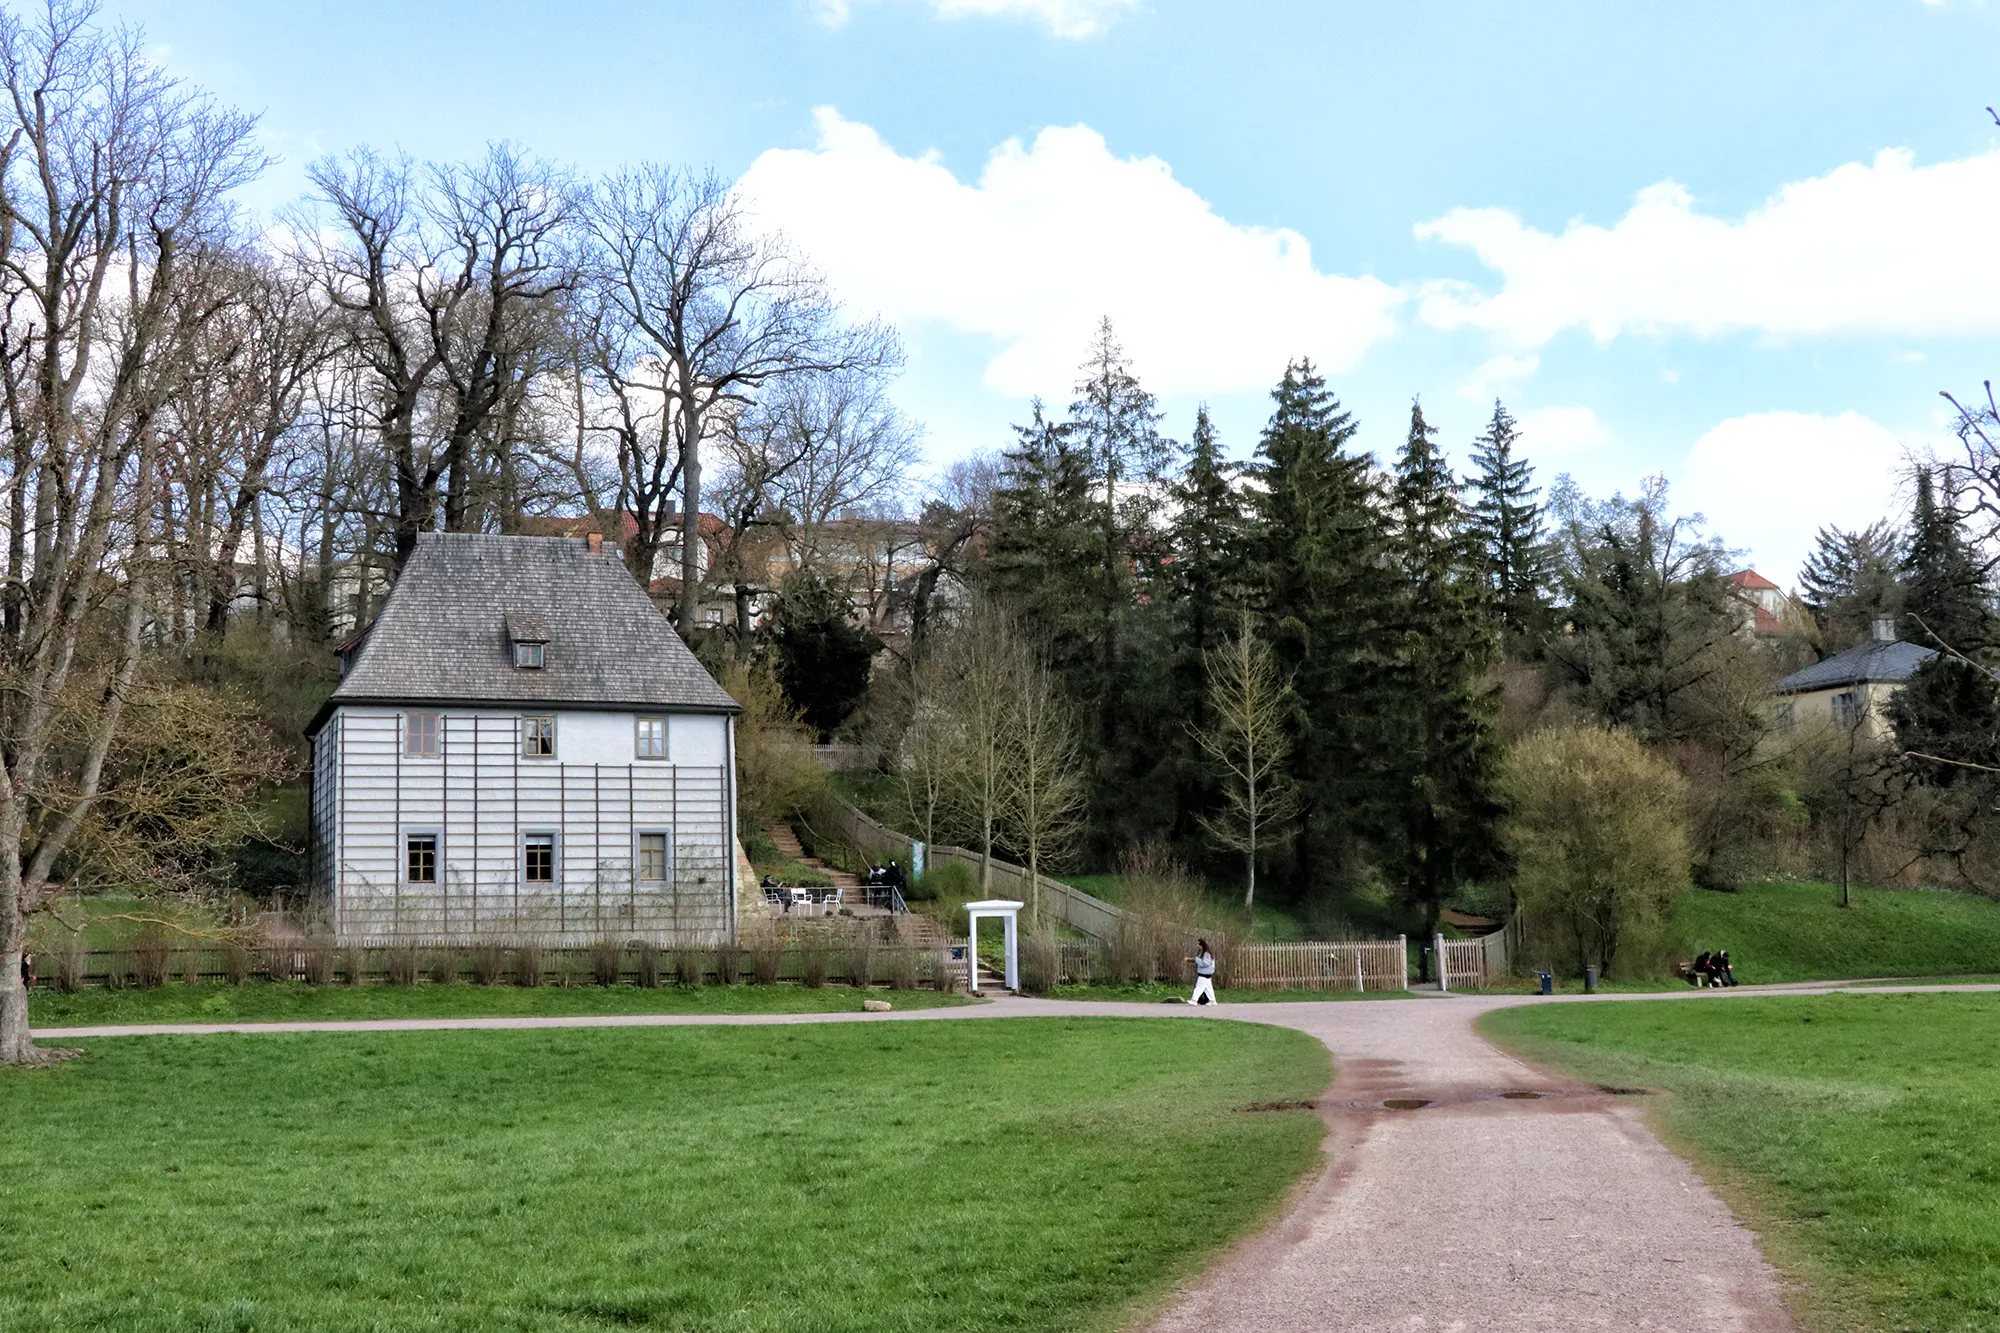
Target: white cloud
[[1770, 480], [1881, 248], [1497, 372], [1052, 236], [1559, 434], [1064, 18]]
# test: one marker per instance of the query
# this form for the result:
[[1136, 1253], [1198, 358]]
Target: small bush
[[402, 962], [235, 963], [646, 960], [443, 967], [861, 965], [903, 969], [607, 961], [352, 966], [489, 962], [728, 964], [691, 966], [190, 966], [279, 961], [528, 965], [767, 958], [319, 962], [954, 881], [150, 958], [1041, 962], [815, 961]]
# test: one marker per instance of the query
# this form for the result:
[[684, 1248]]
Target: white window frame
[[410, 735], [639, 837], [437, 856], [555, 855], [639, 725], [549, 718]]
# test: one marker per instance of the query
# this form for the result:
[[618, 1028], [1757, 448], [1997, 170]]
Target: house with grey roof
[[1849, 691], [521, 747]]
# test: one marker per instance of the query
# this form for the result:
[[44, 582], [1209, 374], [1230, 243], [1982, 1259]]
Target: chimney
[[1885, 629], [595, 541]]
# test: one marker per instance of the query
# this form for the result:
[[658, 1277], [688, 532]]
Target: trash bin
[[1589, 980], [1548, 982]]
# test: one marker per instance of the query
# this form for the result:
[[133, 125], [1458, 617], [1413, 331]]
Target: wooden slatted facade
[[480, 799]]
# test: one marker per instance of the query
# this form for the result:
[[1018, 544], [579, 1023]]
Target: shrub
[[280, 960], [646, 959], [861, 964], [903, 969], [767, 958], [190, 966], [489, 962], [953, 881], [443, 967], [150, 957], [402, 965], [1599, 842], [691, 966], [235, 963], [528, 964], [607, 961], [319, 962], [352, 966], [728, 964], [815, 960], [1041, 962]]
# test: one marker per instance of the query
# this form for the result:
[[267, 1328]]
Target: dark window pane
[[422, 859], [538, 856], [528, 655]]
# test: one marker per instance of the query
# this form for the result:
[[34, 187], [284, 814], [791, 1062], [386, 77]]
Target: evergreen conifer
[[1508, 523], [1946, 600], [1440, 746]]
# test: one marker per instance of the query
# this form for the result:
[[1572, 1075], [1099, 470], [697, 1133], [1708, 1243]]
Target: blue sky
[[1744, 245]]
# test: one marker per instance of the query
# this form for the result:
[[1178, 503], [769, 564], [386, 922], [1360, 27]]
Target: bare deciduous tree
[[110, 207], [1045, 791], [717, 312], [1247, 740]]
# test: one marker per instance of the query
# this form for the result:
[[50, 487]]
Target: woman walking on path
[[1204, 975]]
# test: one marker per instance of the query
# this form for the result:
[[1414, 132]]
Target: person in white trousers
[[1204, 975]]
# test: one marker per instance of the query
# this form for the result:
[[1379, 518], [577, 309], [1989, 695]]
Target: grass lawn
[[1032, 1174], [279, 1002], [1796, 931], [1852, 1131]]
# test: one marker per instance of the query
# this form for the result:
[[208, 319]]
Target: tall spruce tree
[[1208, 593], [1317, 549], [1507, 521], [1946, 599], [1850, 580], [1440, 743], [1042, 562]]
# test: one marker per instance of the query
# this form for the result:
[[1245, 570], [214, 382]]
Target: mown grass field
[[1796, 931], [279, 1002], [1034, 1174], [1854, 1132]]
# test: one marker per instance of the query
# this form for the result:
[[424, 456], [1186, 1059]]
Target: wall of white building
[[480, 797]]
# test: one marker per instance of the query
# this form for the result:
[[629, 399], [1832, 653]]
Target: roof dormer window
[[529, 632]]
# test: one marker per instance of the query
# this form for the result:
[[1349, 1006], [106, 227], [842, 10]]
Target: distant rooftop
[[1876, 661], [1749, 578]]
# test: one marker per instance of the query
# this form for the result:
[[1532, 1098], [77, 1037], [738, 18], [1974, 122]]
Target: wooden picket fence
[[1331, 965]]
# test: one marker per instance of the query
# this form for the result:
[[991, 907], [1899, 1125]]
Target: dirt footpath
[[1480, 1211]]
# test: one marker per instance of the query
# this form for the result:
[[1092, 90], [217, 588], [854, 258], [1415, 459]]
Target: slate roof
[[1883, 661], [445, 634]]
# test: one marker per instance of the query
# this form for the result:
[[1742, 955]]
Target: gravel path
[[1473, 1212]]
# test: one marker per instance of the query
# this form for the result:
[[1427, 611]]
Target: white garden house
[[520, 747]]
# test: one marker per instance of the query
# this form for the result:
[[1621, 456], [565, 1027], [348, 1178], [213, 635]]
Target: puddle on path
[[1407, 1103]]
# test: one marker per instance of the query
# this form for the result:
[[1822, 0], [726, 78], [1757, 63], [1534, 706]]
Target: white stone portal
[[1007, 910]]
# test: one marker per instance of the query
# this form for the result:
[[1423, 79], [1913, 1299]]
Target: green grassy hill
[[1797, 931]]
